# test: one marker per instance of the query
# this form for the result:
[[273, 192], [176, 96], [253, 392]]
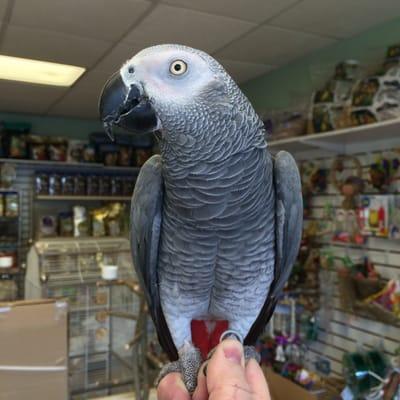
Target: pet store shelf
[[69, 165], [5, 272], [47, 197], [8, 219], [85, 240], [343, 141]]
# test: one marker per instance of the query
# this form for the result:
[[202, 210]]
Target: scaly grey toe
[[190, 364], [174, 366], [251, 352]]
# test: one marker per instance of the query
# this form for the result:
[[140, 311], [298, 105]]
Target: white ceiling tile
[[272, 46], [77, 103], [25, 98], [3, 6], [243, 71], [83, 98], [339, 18], [102, 19], [52, 46], [167, 24], [93, 81], [249, 10], [119, 54]]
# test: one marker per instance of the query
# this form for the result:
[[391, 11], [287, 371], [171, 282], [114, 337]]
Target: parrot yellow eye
[[178, 67]]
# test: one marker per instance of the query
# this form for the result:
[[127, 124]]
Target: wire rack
[[104, 316]]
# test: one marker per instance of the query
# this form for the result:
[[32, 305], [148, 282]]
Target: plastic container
[[6, 261], [109, 272]]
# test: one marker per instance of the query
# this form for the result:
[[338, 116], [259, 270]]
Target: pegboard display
[[341, 328]]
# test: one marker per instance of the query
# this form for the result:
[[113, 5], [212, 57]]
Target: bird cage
[[102, 317], [57, 263]]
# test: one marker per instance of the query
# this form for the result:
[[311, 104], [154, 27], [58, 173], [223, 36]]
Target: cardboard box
[[33, 350], [282, 388]]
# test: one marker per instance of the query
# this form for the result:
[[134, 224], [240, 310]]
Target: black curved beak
[[125, 107]]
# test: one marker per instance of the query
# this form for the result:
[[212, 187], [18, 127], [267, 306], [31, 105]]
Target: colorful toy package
[[373, 215], [329, 105], [377, 97]]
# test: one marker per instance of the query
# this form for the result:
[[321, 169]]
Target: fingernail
[[233, 352]]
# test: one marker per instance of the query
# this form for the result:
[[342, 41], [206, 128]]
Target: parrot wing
[[288, 229], [146, 216]]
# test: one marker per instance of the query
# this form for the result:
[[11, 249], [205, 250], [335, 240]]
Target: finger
[[172, 387], [201, 392], [226, 373], [256, 380]]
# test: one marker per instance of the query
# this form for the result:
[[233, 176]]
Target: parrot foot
[[190, 360], [251, 352], [174, 366], [188, 365]]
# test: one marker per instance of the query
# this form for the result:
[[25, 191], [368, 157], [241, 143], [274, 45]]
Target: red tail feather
[[205, 335]]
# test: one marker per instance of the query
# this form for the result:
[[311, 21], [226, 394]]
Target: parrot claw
[[230, 334], [251, 352], [174, 366], [188, 365]]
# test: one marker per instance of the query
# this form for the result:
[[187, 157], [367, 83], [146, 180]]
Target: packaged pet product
[[373, 215]]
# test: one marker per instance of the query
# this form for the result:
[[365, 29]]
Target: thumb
[[226, 375], [256, 380]]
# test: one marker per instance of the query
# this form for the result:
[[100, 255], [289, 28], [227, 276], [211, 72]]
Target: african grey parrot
[[215, 220]]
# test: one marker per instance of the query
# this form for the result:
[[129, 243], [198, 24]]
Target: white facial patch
[[152, 68]]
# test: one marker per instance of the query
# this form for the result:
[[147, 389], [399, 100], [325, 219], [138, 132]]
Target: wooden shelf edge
[[316, 140], [45, 197], [47, 163]]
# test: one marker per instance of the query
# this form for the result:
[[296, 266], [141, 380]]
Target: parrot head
[[162, 88]]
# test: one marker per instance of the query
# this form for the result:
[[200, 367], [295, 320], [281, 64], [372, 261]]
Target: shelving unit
[[46, 197], [4, 272], [341, 329], [8, 218], [89, 240], [68, 165], [10, 241], [32, 205], [379, 136]]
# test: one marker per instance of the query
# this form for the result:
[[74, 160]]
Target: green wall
[[292, 84], [286, 87], [68, 127]]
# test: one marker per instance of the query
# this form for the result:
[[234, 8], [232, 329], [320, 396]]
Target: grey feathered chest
[[218, 232]]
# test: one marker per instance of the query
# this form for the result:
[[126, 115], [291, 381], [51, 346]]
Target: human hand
[[227, 378]]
